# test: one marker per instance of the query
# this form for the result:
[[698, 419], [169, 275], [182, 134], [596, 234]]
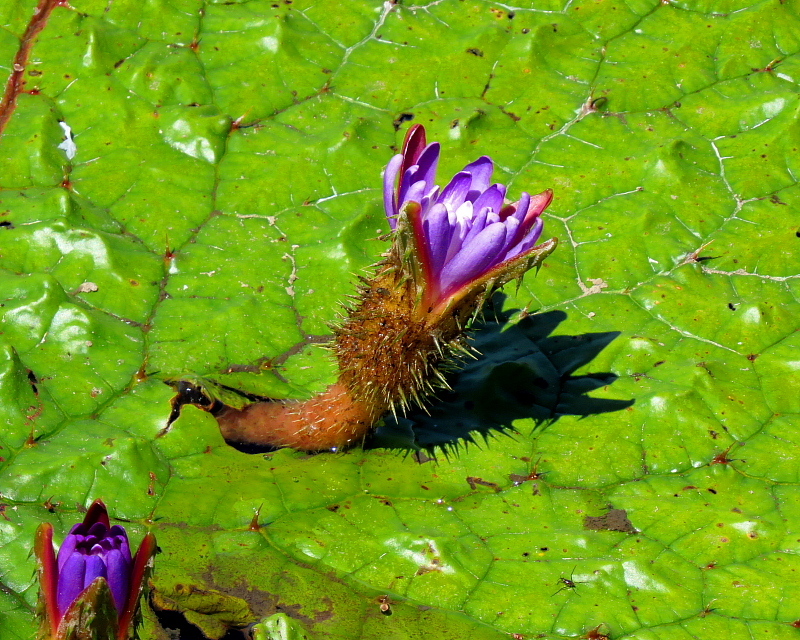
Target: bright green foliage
[[224, 196]]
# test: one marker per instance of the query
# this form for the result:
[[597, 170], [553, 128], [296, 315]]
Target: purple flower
[[94, 567], [465, 233]]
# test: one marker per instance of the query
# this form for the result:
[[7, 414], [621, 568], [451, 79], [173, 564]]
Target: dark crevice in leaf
[[177, 627], [407, 117]]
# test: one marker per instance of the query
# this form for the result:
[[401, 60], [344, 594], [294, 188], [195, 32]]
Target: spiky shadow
[[523, 372]]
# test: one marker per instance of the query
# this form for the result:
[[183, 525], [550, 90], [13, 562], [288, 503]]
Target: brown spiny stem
[[331, 420], [387, 358], [387, 353]]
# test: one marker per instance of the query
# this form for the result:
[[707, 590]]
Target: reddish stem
[[16, 81]]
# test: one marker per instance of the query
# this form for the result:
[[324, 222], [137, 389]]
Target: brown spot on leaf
[[596, 634], [474, 482], [614, 520]]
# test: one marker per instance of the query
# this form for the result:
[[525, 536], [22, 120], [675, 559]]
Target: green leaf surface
[[622, 460]]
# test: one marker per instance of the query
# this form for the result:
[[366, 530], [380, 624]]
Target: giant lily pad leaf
[[188, 194]]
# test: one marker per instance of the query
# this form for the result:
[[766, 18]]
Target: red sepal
[[141, 562], [48, 573], [413, 146], [97, 513], [422, 249]]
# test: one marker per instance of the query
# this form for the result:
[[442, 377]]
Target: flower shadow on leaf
[[522, 373]]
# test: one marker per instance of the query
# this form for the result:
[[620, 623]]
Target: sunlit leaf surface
[[633, 465]]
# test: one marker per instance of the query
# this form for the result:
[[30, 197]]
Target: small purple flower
[[94, 556], [91, 550], [465, 232]]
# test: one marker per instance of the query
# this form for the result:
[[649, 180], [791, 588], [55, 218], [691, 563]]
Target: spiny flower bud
[[451, 248], [92, 589]]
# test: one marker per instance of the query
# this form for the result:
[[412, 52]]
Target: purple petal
[[481, 171], [424, 171], [121, 541], [532, 237], [512, 231], [429, 198], [522, 206], [478, 225], [95, 567], [428, 162], [119, 577], [519, 217], [437, 234], [67, 548], [539, 203], [414, 193], [456, 191], [462, 221], [70, 580], [406, 181], [492, 198], [474, 258], [389, 186], [528, 242]]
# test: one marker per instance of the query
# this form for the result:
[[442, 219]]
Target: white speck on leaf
[[68, 146], [598, 284], [774, 107], [270, 43]]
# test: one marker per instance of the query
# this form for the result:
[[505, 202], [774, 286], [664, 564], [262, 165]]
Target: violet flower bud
[[464, 235], [93, 586]]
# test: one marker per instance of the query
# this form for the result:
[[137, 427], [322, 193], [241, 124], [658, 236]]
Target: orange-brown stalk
[[330, 420]]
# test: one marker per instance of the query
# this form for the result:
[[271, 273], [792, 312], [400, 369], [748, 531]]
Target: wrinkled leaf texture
[[223, 197]]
